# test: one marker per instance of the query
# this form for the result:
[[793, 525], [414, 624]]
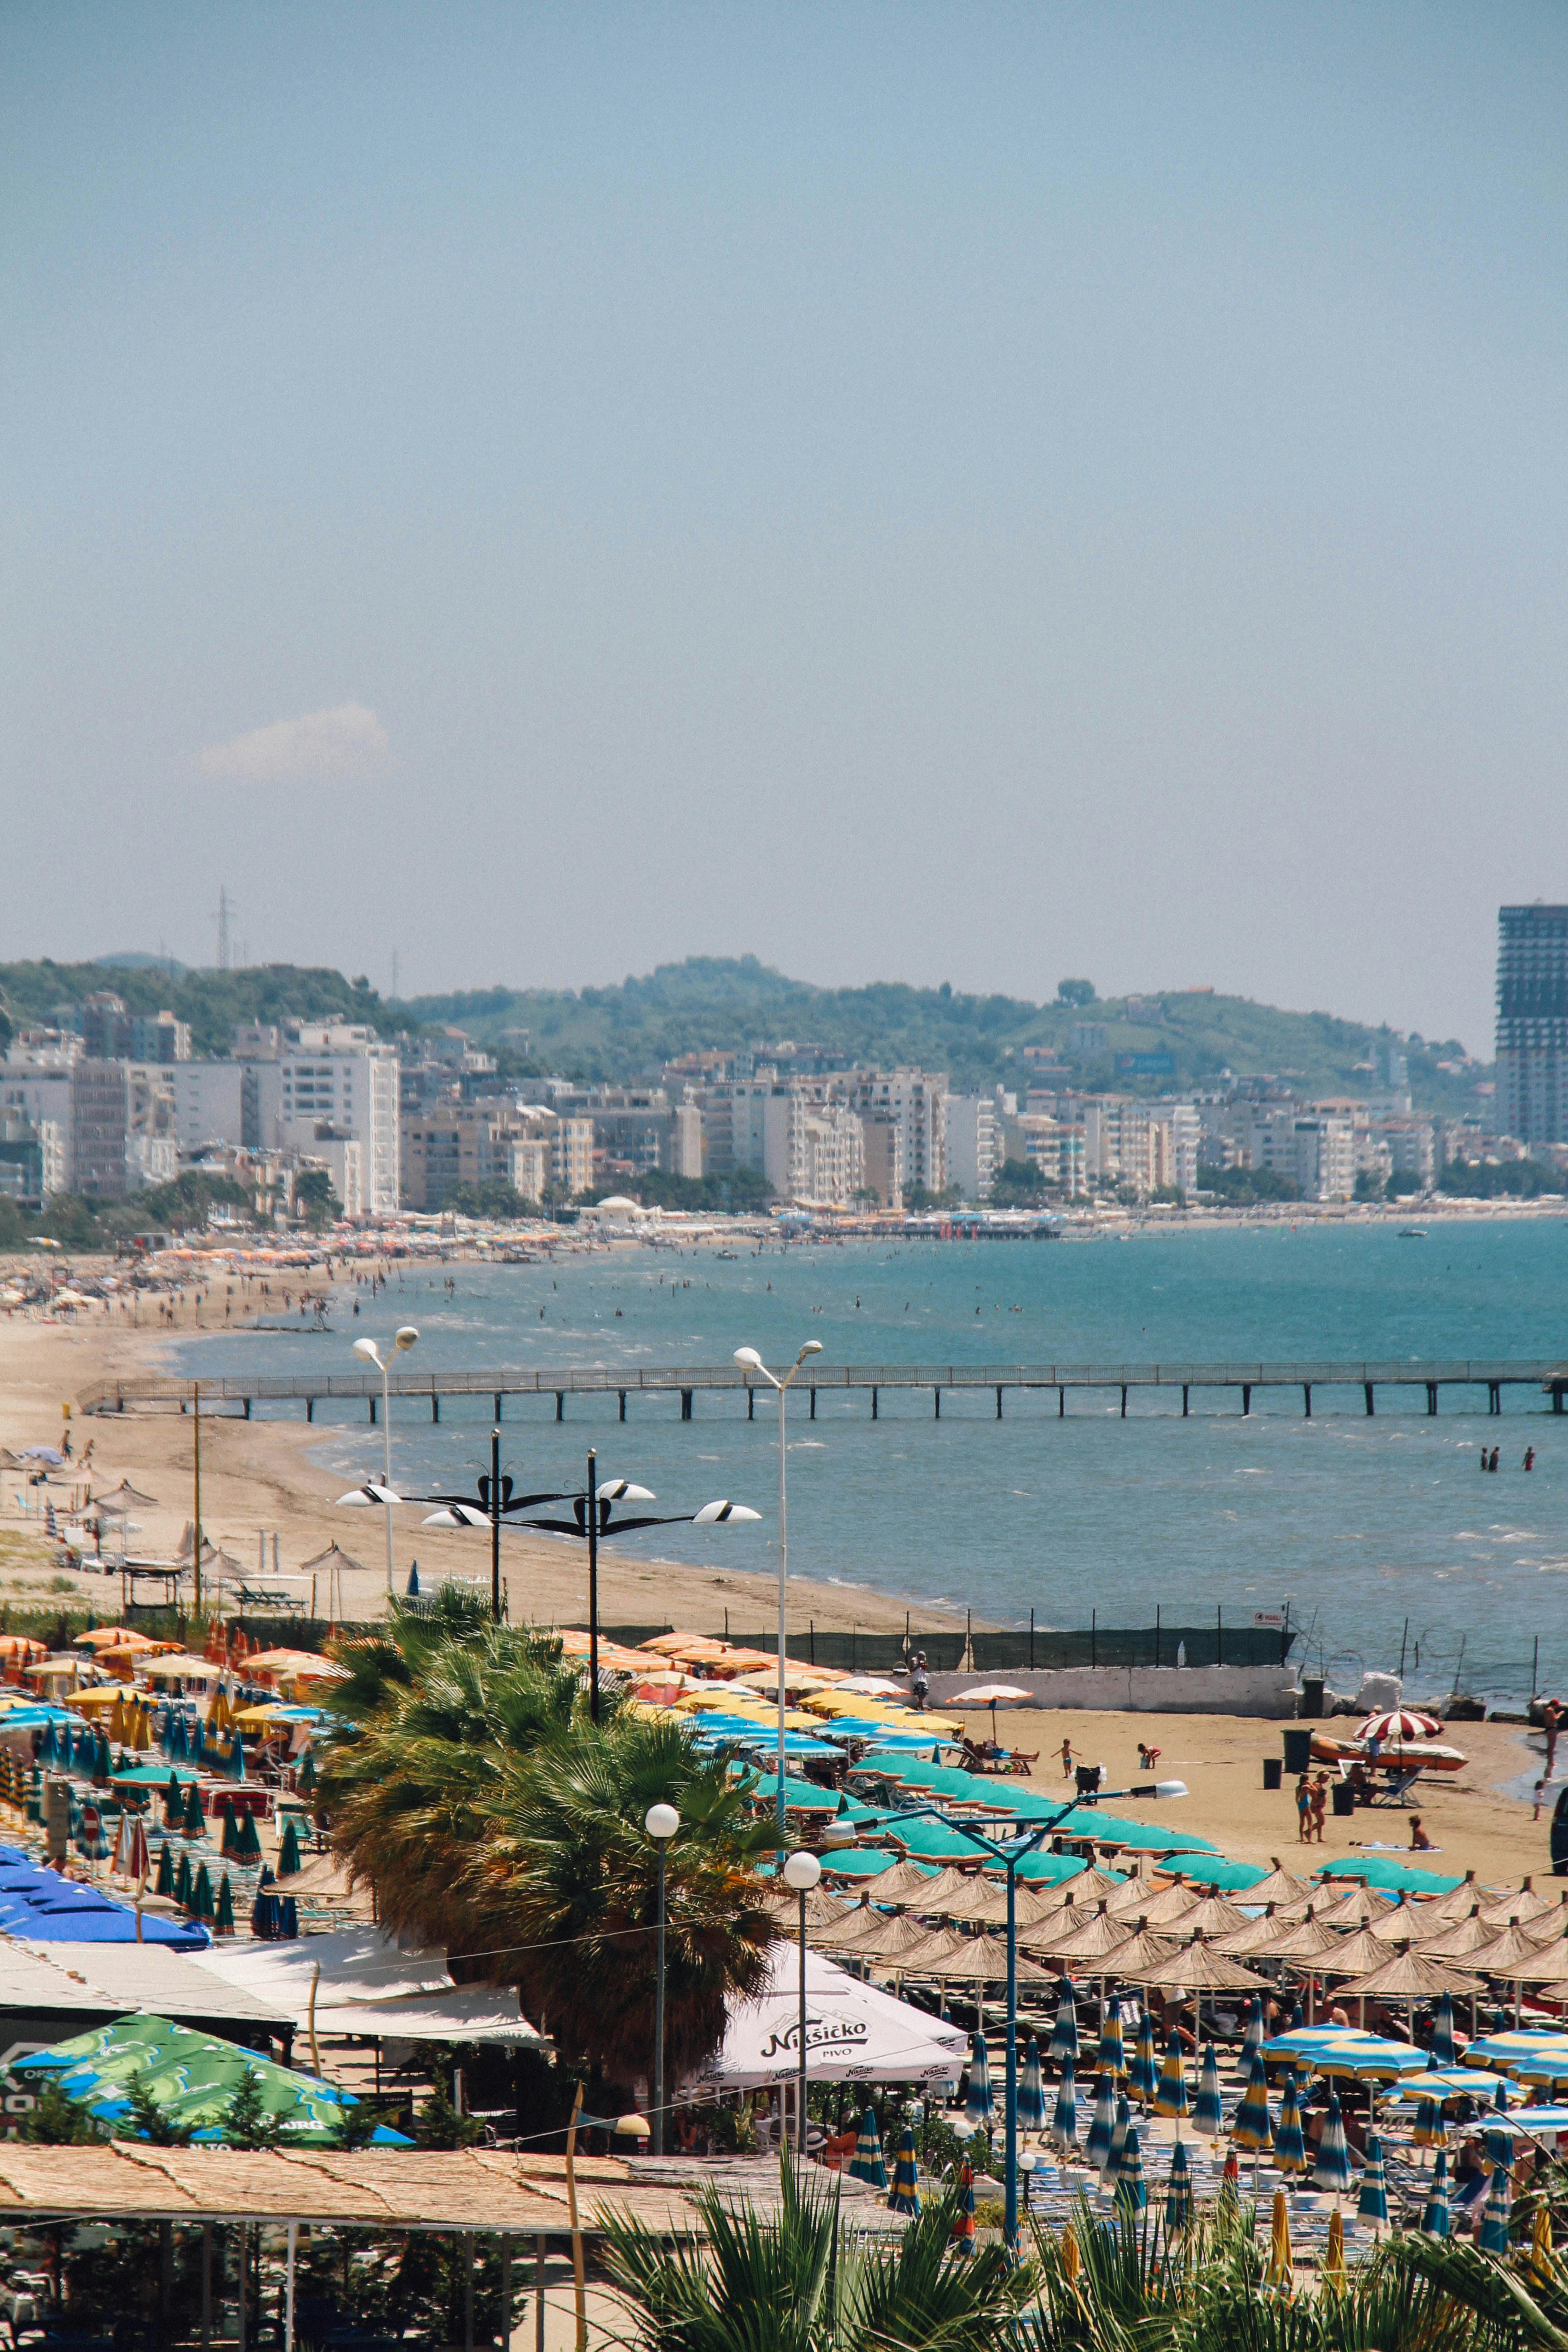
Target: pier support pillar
[[686, 1404], [1494, 1396], [1245, 1400], [310, 1409], [247, 1408], [434, 1407], [621, 1402], [1185, 1395], [752, 1405], [1124, 1400], [1061, 1404], [374, 1403], [936, 1403], [1307, 1398], [560, 1405], [1556, 1400], [498, 1404], [1432, 1397], [876, 1394], [813, 1402], [998, 1401], [1366, 1391]]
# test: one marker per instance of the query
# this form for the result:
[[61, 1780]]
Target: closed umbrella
[[1063, 2040], [1064, 2122], [1290, 2139], [1333, 2272], [1111, 2058], [287, 1919], [1119, 2132], [867, 2164], [1332, 2170], [1253, 2038], [164, 1882], [1230, 2182], [247, 1842], [1102, 2125], [1179, 2192], [1251, 2126], [978, 2107], [1373, 2203], [174, 1802], [1430, 2130], [905, 2194], [193, 1822], [1499, 2208], [1443, 2031], [289, 1853], [1279, 2270], [223, 1921], [201, 1904], [1143, 2081], [1170, 2096], [1436, 2221], [1131, 2190], [1208, 2116], [227, 1836], [1031, 2091], [183, 1881], [963, 2226]]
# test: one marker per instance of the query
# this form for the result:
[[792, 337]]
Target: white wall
[[1267, 1691]]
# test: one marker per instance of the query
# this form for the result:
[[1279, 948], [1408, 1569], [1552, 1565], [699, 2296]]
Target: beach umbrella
[[1429, 2130], [227, 1836], [1253, 2038], [248, 1842], [305, 1779], [1131, 2190], [194, 1822], [1179, 2192], [1541, 2261], [1063, 2040], [174, 1802], [1118, 2131], [202, 1894], [1443, 2049], [1297, 2018], [1499, 2208], [35, 1794], [1102, 2125], [287, 1919], [978, 2107], [1279, 2269], [1435, 2220], [1289, 2139], [1031, 2091], [223, 1921], [164, 1883], [1333, 2169], [1251, 2126], [1111, 2058], [1064, 2122], [48, 1752], [102, 1761], [1230, 2181], [1333, 2271], [1373, 2203], [905, 2194], [289, 1853], [1143, 2080], [184, 1881], [265, 1914], [963, 2226], [1208, 2116], [867, 2164], [1170, 2096]]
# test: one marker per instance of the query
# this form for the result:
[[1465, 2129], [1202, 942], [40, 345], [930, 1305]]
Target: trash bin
[[1298, 1751], [1311, 1696], [1273, 1770], [1343, 1796]]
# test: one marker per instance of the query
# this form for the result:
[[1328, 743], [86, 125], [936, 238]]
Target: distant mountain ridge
[[1156, 1043]]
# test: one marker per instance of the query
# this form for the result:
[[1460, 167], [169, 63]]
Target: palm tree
[[794, 2281]]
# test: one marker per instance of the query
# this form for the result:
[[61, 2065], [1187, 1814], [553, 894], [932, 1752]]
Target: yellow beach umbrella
[[1279, 2272], [1333, 2272]]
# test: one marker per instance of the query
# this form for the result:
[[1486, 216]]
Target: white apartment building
[[1055, 1146], [918, 1100], [209, 1102], [973, 1152], [812, 1150], [339, 1076], [1316, 1150]]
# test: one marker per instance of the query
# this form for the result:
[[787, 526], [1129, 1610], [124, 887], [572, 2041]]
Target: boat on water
[[1411, 1233]]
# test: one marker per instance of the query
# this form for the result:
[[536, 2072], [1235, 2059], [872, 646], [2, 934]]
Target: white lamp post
[[801, 1872], [402, 1340], [753, 1362], [662, 1823]]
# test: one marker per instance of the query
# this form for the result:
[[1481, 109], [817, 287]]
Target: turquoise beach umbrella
[[978, 2107], [1102, 2125], [1208, 2116], [1031, 2091], [1331, 2171], [1289, 2139], [1064, 2122], [1251, 2126], [1373, 2204], [1144, 2079], [866, 2164], [1443, 2051], [1253, 2038], [1064, 2040], [1435, 2222], [1179, 2192], [905, 2194], [1498, 2210], [1111, 2058], [1131, 2192], [1430, 2130], [1171, 2097], [1119, 2132]]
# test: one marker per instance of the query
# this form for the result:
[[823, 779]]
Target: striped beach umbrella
[[1031, 2091], [1279, 2269], [1064, 2040], [1333, 2270], [1111, 2058], [1102, 2125], [1443, 2051], [1289, 2139], [1170, 2096], [223, 1919], [904, 2196], [1251, 2126], [1429, 2130], [1144, 2079], [1253, 2038], [1298, 2018], [978, 2107], [1436, 2221], [867, 2164], [1499, 2209], [1331, 2171], [1131, 2190], [202, 1905], [1373, 2203], [1208, 2116], [1179, 2192], [963, 2226], [1064, 2122], [1230, 2181], [1118, 2131]]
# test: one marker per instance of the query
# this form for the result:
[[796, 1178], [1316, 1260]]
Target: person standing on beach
[[1304, 1811], [1067, 1759], [1551, 1724], [1319, 1805]]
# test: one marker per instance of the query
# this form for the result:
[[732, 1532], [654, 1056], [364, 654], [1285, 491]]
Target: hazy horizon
[[975, 494]]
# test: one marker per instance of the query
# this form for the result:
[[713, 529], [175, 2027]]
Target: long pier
[[153, 1392]]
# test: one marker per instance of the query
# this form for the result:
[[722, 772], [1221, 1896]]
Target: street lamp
[[801, 1872], [402, 1340], [751, 1361], [1010, 1854], [662, 1823]]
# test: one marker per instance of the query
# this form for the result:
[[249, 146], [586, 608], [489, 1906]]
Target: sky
[[975, 493]]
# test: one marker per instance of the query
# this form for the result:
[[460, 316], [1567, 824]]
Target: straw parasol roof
[[1280, 1886], [1145, 1948], [943, 1952], [1355, 1909], [1172, 1901], [821, 1909], [1410, 1976], [1527, 1905], [1459, 1937], [1458, 1903], [334, 1557], [934, 1898], [1517, 1957], [1134, 1896], [904, 1881], [1300, 1939], [897, 1932], [1038, 1901], [1213, 1917], [1198, 1968], [1354, 1956], [1093, 1939], [860, 1923], [1406, 1923], [125, 1497]]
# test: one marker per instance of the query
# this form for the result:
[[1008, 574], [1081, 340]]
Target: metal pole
[[593, 1586], [800, 2101], [495, 1524], [1010, 2207], [783, 1581], [539, 2294], [288, 2287], [196, 1536], [386, 1457], [659, 2022]]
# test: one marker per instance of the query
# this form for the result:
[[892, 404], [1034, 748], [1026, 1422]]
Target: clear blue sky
[[973, 492]]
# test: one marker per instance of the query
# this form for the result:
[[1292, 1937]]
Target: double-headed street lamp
[[402, 1340], [749, 1359], [662, 1823]]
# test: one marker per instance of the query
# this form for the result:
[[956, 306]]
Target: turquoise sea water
[[1376, 1531]]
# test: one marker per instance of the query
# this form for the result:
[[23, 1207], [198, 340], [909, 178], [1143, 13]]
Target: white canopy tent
[[369, 1985], [853, 2032]]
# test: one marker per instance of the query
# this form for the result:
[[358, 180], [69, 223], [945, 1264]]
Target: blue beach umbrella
[[1131, 2192], [1251, 2126], [1443, 2051], [905, 2194], [978, 2107], [1064, 2122], [866, 2164], [1102, 2125], [1063, 2040], [1289, 2139], [1179, 2192], [1031, 2091], [1253, 2038], [288, 1919], [1430, 2130], [1373, 2204], [1119, 2132], [1296, 2020], [1208, 2116], [1144, 2079], [1435, 2220], [1331, 2171], [1111, 2058], [1499, 2209]]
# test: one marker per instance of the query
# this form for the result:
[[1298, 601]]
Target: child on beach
[[1304, 1811], [1319, 1805], [1067, 1759]]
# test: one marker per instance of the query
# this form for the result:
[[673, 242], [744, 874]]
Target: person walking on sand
[[1303, 1810], [1319, 1805], [1067, 1759]]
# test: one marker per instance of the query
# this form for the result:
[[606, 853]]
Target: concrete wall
[[1268, 1691]]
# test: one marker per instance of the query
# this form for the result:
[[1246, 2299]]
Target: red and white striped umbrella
[[1400, 1723]]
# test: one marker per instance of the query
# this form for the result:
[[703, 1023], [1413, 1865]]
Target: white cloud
[[322, 748]]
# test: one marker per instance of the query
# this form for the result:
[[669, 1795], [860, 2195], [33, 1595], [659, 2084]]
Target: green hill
[[1183, 1039]]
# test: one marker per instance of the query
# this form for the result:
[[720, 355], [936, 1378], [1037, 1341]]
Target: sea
[[1382, 1536]]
